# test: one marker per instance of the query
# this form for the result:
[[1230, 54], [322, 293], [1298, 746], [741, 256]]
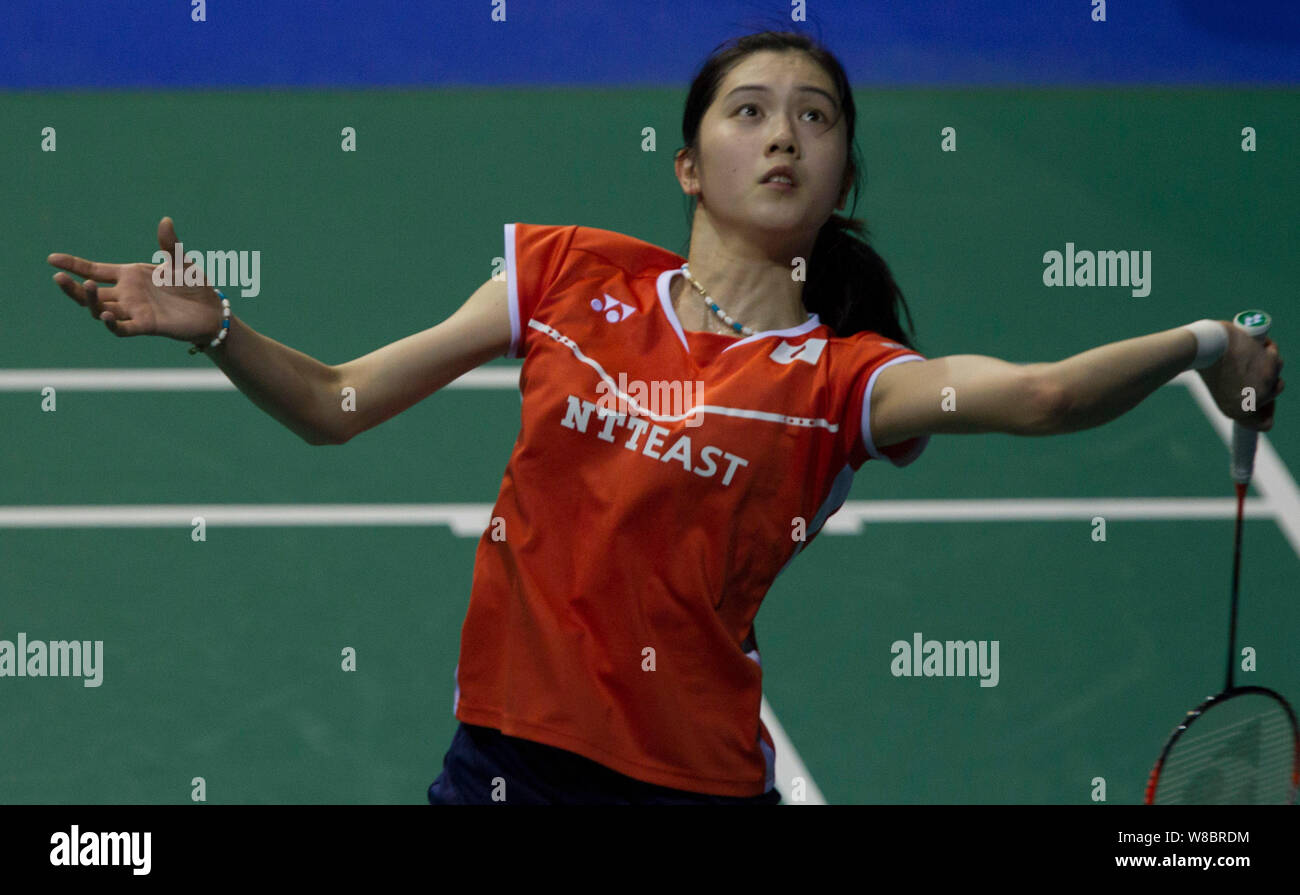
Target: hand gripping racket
[[1241, 745]]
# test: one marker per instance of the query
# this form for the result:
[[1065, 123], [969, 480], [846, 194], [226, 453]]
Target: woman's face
[[764, 115]]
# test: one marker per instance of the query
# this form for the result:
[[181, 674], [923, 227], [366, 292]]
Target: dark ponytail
[[849, 286]]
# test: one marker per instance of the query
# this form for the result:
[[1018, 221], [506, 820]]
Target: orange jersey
[[638, 527]]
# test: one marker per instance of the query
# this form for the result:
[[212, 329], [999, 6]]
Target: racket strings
[[1277, 754], [1276, 721], [1251, 746], [1251, 760], [1271, 794]]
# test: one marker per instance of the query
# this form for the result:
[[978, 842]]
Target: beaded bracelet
[[225, 324]]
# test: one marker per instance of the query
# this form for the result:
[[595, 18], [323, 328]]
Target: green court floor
[[222, 658]]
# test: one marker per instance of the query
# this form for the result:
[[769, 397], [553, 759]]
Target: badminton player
[[609, 653]]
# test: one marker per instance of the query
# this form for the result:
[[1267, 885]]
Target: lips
[[781, 171]]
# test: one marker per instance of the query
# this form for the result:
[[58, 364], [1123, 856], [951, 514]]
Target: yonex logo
[[808, 350], [611, 312]]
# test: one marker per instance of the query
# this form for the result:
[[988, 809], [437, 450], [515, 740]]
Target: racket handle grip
[[1244, 441]]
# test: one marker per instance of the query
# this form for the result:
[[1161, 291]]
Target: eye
[[821, 116]]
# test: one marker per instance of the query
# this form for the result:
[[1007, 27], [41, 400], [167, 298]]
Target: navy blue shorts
[[537, 774]]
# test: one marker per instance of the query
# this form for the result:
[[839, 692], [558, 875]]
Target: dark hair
[[849, 286]]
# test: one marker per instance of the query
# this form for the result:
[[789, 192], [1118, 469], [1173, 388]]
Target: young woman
[[609, 651]]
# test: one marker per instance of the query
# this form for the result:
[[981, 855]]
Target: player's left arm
[[962, 394], [1080, 392]]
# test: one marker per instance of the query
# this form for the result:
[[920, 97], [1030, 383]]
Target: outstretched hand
[[134, 305]]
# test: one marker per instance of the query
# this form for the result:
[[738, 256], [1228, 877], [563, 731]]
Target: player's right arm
[[391, 379], [296, 389]]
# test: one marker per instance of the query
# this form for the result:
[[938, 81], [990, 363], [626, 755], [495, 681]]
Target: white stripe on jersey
[[764, 415]]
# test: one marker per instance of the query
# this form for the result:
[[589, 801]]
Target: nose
[[783, 139], [783, 142]]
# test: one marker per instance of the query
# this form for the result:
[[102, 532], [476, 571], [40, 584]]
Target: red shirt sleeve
[[874, 353], [535, 255]]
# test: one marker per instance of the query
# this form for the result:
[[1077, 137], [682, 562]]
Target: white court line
[[470, 519], [166, 379], [467, 520], [850, 518], [788, 763]]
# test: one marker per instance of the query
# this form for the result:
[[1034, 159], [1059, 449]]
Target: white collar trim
[[662, 285]]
